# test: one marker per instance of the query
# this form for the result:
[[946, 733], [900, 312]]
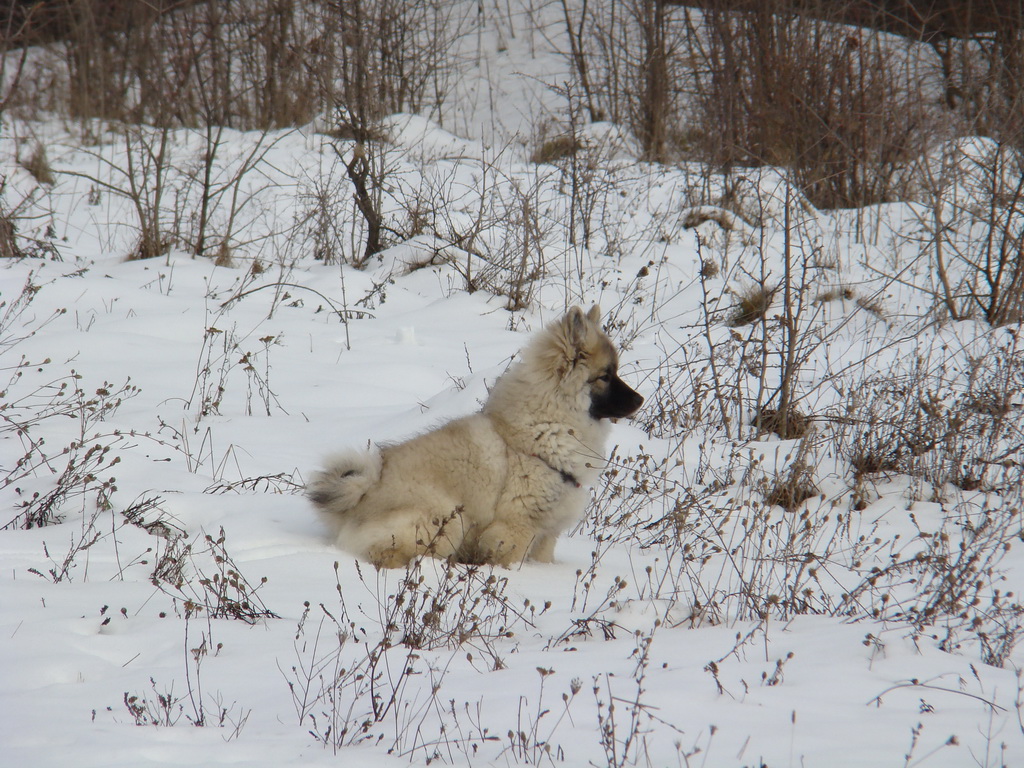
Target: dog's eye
[[605, 377]]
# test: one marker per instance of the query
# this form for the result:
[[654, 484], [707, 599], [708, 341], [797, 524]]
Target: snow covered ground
[[180, 404]]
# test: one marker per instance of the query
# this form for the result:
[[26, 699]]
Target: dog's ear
[[594, 315], [576, 327]]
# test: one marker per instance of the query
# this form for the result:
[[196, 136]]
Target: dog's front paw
[[389, 556], [503, 544], [543, 550]]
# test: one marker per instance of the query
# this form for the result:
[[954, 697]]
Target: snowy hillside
[[805, 550]]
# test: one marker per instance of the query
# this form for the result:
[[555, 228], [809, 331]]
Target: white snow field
[[168, 597]]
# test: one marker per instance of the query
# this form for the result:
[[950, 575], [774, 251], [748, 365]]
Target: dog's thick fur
[[497, 486]]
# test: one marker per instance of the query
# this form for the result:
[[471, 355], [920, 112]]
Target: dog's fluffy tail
[[343, 483]]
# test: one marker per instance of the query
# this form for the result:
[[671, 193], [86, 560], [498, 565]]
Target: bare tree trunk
[[655, 103], [579, 58], [358, 169]]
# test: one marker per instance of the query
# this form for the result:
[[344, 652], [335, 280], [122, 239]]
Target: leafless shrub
[[496, 237], [391, 55], [624, 739], [14, 54], [585, 156], [760, 85], [79, 466], [205, 710], [751, 375], [981, 73], [442, 604], [165, 709], [146, 172], [15, 244], [79, 477], [350, 221], [972, 226], [393, 58], [199, 207], [247, 65], [737, 535], [947, 582], [209, 581], [224, 351], [140, 176], [666, 412], [366, 172], [328, 688], [744, 534], [838, 107], [745, 541], [626, 59], [944, 423], [279, 483], [346, 679], [531, 742], [754, 537], [327, 217], [146, 512], [227, 190], [14, 327], [515, 267], [62, 567], [166, 63]]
